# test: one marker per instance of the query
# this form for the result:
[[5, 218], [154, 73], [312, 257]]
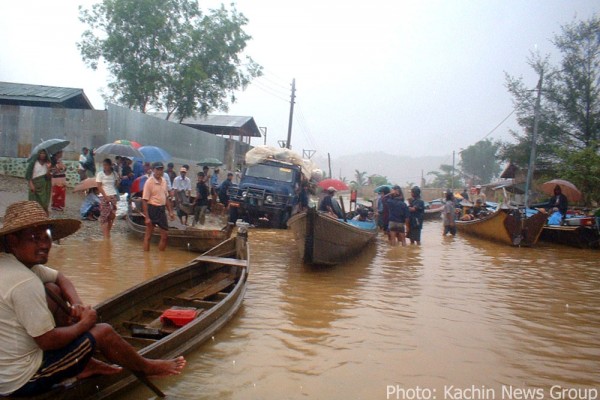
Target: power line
[[266, 90]]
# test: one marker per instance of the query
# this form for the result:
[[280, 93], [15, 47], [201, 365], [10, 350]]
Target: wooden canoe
[[505, 226], [433, 213], [193, 239], [585, 237], [324, 240], [213, 284]]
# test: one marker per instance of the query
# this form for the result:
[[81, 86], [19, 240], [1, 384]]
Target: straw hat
[[26, 214]]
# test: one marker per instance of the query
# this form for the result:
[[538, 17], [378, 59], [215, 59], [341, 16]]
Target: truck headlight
[[269, 199]]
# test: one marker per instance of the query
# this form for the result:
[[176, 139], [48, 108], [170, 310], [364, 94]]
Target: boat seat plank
[[139, 341], [223, 260], [203, 304], [207, 288]]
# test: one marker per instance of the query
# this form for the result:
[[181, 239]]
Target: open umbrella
[[209, 162], [116, 149], [335, 183], [567, 188], [138, 184], [131, 143], [153, 154], [85, 185], [380, 188], [52, 146]]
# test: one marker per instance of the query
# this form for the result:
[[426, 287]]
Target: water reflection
[[456, 311]]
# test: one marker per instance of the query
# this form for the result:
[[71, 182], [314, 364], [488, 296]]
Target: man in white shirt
[[182, 186], [40, 344]]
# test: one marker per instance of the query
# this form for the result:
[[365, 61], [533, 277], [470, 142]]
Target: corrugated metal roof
[[221, 124], [24, 93]]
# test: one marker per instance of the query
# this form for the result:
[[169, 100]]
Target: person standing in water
[[417, 211]]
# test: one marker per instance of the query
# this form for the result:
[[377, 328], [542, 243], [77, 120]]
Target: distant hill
[[399, 169]]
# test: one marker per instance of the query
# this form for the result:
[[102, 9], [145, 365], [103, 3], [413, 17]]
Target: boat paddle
[[343, 209], [141, 377]]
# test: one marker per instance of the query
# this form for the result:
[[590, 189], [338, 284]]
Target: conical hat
[[27, 214]]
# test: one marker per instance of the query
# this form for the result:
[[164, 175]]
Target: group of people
[[40, 343], [398, 219], [46, 180]]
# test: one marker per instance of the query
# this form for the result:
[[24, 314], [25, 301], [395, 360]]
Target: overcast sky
[[410, 78]]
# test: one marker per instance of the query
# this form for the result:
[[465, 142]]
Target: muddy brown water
[[457, 316]]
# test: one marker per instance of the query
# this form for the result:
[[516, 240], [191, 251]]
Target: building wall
[[22, 127]]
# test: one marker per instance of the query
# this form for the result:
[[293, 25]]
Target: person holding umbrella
[[559, 200], [39, 179]]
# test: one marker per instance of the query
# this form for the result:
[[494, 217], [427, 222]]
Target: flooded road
[[455, 314]]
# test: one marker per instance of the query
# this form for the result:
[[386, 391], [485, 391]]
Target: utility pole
[[329, 162], [452, 182], [307, 154], [292, 101], [264, 131], [536, 122]]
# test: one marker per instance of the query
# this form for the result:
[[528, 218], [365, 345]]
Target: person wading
[[40, 344], [154, 202], [108, 181]]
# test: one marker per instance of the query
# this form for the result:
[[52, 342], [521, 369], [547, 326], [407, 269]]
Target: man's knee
[[102, 331]]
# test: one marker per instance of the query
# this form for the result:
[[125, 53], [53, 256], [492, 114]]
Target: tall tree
[[570, 111], [480, 161], [377, 180], [167, 55]]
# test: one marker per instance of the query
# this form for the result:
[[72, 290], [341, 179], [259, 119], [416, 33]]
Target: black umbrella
[[52, 146]]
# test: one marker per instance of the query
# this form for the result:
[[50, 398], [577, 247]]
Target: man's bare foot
[[97, 367], [158, 368]]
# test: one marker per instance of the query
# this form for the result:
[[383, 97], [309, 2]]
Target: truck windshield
[[281, 174]]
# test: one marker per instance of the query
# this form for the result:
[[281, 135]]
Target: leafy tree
[[443, 178], [377, 180], [569, 122], [582, 167], [480, 160], [168, 55]]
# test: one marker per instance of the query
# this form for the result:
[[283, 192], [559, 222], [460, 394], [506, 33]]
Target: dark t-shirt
[[328, 201], [398, 210], [416, 217], [201, 194]]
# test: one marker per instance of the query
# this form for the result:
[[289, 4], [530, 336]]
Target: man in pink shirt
[[154, 202]]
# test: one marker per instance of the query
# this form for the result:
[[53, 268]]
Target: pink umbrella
[[566, 187], [334, 183]]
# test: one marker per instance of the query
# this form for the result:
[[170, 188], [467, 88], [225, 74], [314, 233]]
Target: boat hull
[[164, 290], [197, 240], [433, 213], [505, 226], [323, 240], [577, 236]]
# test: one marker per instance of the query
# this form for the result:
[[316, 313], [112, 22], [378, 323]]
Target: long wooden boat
[[585, 237], [433, 213], [193, 239], [505, 226], [322, 239], [213, 284]]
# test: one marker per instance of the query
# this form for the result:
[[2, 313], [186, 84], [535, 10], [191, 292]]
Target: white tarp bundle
[[262, 153]]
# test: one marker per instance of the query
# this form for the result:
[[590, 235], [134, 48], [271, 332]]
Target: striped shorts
[[59, 365]]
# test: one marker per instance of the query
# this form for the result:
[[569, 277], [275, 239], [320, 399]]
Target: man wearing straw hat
[[41, 345]]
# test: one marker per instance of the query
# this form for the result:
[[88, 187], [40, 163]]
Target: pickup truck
[[266, 194]]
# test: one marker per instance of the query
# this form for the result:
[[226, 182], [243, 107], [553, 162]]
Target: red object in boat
[[178, 317]]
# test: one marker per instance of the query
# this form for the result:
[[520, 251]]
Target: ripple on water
[[456, 311]]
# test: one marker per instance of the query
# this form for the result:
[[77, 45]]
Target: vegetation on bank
[[568, 141]]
